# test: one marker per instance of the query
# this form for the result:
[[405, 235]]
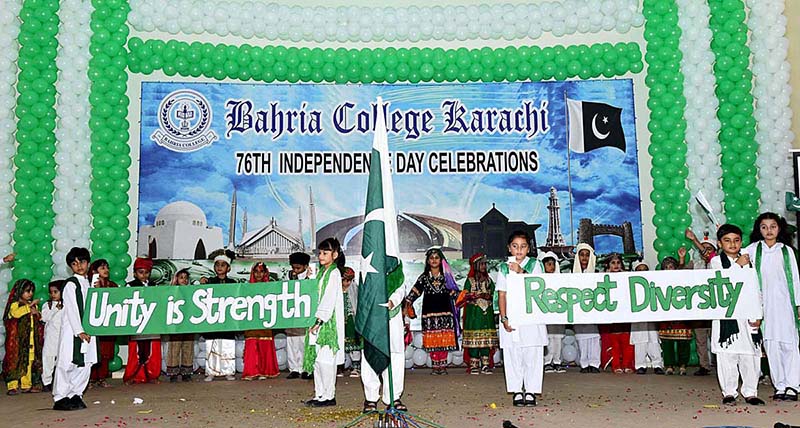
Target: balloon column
[[34, 160], [667, 125]]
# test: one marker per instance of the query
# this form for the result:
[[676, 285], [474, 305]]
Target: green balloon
[[116, 363]]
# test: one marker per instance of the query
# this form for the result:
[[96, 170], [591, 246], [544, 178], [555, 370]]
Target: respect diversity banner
[[601, 298], [200, 308]]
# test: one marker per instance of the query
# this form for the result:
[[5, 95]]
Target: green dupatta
[[327, 336], [787, 269]]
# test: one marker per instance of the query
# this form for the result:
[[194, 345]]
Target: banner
[[602, 298], [201, 308]]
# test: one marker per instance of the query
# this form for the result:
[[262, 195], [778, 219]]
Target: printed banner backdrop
[[200, 309], [297, 158], [601, 298]]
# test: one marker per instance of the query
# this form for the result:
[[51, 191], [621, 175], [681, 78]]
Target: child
[[587, 335], [480, 333], [616, 338], [99, 277], [702, 329], [353, 343], [180, 349], [52, 315], [220, 347], [295, 337], [776, 265], [439, 318], [644, 338], [144, 351], [523, 346], [675, 335], [555, 332], [78, 350], [736, 343], [22, 365], [260, 358], [325, 339]]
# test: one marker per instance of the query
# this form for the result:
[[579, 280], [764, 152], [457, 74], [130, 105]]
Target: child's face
[[518, 248], [707, 251], [183, 278], [434, 261], [79, 267], [221, 269], [259, 273], [583, 258], [103, 271], [641, 268], [326, 257], [769, 229], [141, 274], [298, 268], [669, 265], [26, 295], [55, 295], [615, 265], [731, 243], [549, 266], [482, 267], [346, 283]]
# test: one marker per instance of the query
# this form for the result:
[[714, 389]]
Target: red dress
[[144, 356], [260, 358]]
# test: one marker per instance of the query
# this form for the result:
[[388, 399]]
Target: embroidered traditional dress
[[438, 320], [106, 344], [480, 332], [260, 358], [144, 354], [22, 365]]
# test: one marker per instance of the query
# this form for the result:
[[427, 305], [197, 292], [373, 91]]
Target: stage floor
[[457, 400]]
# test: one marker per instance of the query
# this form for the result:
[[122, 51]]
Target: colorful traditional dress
[[22, 365], [480, 333], [144, 353], [260, 358], [106, 343], [438, 319]]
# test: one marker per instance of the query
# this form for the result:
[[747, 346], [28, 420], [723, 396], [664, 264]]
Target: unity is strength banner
[[601, 298], [200, 308]]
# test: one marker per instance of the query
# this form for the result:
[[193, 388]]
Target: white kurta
[[52, 318], [330, 303], [372, 381], [296, 342], [70, 379], [779, 315], [526, 335]]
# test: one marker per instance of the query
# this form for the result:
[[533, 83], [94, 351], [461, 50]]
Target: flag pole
[[569, 171]]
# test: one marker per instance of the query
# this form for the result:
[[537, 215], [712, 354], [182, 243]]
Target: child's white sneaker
[[209, 378], [230, 377]]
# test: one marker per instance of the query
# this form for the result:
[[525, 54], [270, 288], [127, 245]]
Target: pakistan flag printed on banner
[[381, 269], [602, 298], [200, 309]]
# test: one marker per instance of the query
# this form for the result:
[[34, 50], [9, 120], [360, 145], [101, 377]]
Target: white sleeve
[[397, 297], [47, 312], [501, 284], [795, 276], [716, 263], [70, 302], [327, 303]]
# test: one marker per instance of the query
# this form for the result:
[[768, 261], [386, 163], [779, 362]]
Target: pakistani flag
[[594, 125], [381, 270]]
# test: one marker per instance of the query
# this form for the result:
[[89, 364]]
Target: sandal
[[35, 389], [398, 405], [369, 407], [14, 391]]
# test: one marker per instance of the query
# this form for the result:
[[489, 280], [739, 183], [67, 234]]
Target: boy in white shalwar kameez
[[523, 346], [587, 335], [645, 341], [736, 343], [52, 316], [78, 350], [776, 266]]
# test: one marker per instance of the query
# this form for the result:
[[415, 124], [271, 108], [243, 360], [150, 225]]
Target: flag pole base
[[391, 418]]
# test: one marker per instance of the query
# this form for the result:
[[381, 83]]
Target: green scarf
[[787, 269], [327, 335], [529, 267], [77, 355]]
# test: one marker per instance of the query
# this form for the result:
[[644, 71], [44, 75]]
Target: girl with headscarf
[[480, 333], [22, 365], [439, 317], [587, 335], [99, 276], [260, 358]]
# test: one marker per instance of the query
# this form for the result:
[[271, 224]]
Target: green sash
[[787, 269], [77, 355], [529, 267], [327, 335]]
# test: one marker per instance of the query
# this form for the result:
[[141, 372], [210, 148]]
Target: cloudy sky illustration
[[605, 184]]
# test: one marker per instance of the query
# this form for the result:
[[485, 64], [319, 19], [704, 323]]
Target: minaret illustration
[[300, 228], [313, 219], [555, 240], [244, 221], [232, 228]]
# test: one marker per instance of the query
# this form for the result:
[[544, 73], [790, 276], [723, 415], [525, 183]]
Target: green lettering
[[678, 297], [690, 292], [587, 300], [633, 282], [572, 297], [705, 294], [733, 291], [603, 300], [663, 296], [535, 294]]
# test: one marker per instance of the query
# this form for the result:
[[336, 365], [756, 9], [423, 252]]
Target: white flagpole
[[569, 171]]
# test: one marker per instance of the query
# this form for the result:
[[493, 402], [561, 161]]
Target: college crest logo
[[184, 122]]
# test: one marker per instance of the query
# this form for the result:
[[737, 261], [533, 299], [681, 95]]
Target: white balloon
[[420, 357]]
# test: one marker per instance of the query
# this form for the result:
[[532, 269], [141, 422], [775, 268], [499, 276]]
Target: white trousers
[[220, 357], [784, 364], [650, 349], [49, 357], [524, 368], [325, 374], [553, 355], [70, 381], [730, 366], [590, 352], [295, 348], [372, 382]]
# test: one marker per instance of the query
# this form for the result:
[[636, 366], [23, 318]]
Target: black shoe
[[47, 388], [779, 396], [658, 370], [729, 400], [641, 370], [548, 368], [307, 376], [530, 400], [323, 403], [702, 371], [311, 403], [585, 370], [754, 401], [63, 404], [293, 375], [594, 369], [173, 379], [186, 378], [519, 400], [77, 402]]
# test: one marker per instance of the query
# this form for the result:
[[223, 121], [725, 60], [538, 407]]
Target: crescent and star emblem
[[594, 128]]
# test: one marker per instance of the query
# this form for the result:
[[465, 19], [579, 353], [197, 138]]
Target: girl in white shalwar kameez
[[587, 335], [52, 316], [776, 265]]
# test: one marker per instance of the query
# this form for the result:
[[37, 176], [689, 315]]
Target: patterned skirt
[[479, 328], [439, 332]]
